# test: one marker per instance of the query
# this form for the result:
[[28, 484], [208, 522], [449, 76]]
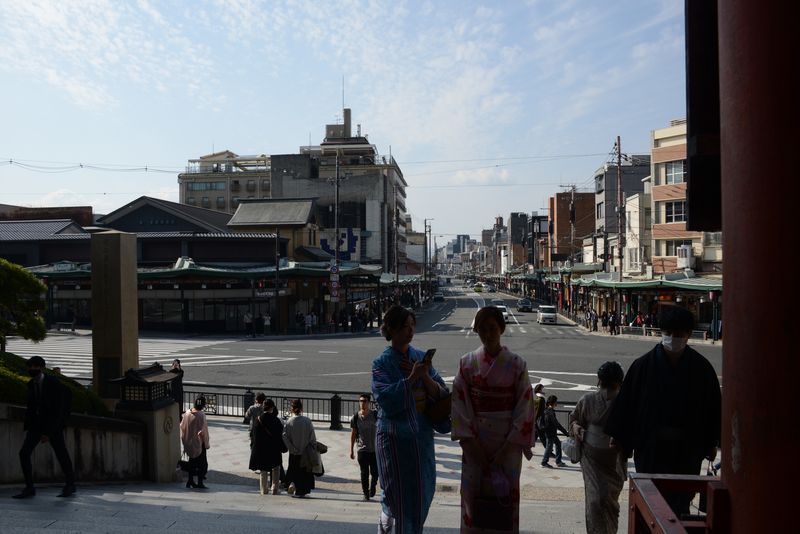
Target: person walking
[[267, 324], [402, 383], [362, 432], [298, 435], [252, 413], [196, 441], [668, 412], [493, 415], [308, 321], [604, 320], [604, 467], [551, 427], [539, 404], [247, 318], [266, 453], [46, 413]]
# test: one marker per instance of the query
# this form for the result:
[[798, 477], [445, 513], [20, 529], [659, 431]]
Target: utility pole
[[571, 223], [276, 320], [620, 223]]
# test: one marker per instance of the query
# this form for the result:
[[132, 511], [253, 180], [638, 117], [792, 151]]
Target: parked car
[[491, 289], [547, 314], [504, 310], [438, 296], [524, 305]]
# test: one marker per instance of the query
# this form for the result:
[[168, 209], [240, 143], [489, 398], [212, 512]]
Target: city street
[[563, 357]]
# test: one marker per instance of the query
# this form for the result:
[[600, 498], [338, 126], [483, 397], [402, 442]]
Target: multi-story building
[[638, 231], [371, 207], [536, 239], [673, 246], [565, 242], [517, 253]]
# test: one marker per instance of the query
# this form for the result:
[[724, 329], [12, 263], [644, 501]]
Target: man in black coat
[[668, 412], [45, 417]]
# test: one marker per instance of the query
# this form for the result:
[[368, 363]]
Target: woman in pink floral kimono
[[493, 417]]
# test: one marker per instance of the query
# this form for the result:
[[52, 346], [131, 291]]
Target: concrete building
[[638, 232], [674, 247], [371, 191], [536, 239]]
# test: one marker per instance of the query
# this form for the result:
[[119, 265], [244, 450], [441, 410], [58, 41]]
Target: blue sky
[[472, 97]]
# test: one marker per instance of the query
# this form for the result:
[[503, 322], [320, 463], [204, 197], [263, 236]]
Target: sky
[[488, 107]]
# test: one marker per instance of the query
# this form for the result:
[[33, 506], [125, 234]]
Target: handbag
[[572, 449], [439, 410]]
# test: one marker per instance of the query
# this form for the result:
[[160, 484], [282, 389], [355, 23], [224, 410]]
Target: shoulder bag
[[572, 449]]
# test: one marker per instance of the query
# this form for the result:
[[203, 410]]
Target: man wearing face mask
[[47, 412], [668, 412]]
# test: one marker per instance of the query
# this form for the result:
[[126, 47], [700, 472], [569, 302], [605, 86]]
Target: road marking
[[215, 348], [328, 351], [254, 350], [284, 350], [522, 330], [348, 374]]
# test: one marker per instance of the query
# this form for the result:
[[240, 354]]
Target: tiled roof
[[38, 230], [273, 212], [211, 220]]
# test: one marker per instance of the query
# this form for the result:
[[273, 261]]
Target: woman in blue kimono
[[403, 384]]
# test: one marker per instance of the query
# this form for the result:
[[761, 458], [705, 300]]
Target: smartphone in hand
[[429, 356]]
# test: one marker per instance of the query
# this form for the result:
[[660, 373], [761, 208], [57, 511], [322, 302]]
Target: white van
[[547, 314]]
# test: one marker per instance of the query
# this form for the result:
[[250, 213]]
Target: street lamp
[[426, 252]]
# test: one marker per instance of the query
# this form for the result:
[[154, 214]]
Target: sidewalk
[[552, 499]]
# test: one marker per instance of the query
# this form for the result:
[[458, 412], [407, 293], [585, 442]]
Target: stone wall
[[101, 449]]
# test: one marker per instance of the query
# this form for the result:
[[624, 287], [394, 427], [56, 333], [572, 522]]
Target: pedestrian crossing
[[73, 354], [535, 329]]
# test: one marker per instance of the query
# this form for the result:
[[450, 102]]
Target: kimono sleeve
[[463, 416], [622, 421], [522, 416], [577, 417], [442, 427], [392, 395]]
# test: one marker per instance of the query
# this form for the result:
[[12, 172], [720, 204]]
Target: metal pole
[[620, 223], [276, 319], [336, 237]]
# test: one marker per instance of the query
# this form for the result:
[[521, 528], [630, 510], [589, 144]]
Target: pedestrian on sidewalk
[[46, 415], [668, 411], [266, 454], [613, 319], [247, 319], [402, 383], [267, 324], [594, 320], [604, 320], [539, 404], [551, 427], [298, 434], [493, 415], [604, 467], [362, 432], [196, 441], [252, 414]]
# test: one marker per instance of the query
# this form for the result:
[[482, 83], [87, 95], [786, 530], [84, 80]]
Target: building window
[[234, 202], [672, 246], [600, 210], [205, 186], [712, 239], [205, 202], [675, 211], [599, 185], [235, 185], [633, 258], [675, 172], [191, 201], [265, 185], [220, 203], [251, 185]]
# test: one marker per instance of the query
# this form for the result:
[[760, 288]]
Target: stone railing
[[101, 448]]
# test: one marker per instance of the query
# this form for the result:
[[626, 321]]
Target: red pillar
[[759, 97]]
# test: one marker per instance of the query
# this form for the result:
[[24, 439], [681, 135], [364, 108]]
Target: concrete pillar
[[759, 136], [115, 342]]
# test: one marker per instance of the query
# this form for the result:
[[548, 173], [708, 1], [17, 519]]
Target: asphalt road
[[564, 357]]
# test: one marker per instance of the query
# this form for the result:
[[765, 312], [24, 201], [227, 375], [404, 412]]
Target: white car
[[547, 314], [504, 310]]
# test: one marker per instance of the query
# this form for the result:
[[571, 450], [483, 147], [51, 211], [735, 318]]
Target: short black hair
[[610, 373], [551, 400], [394, 319], [296, 405], [269, 404], [365, 396], [37, 361], [538, 387], [261, 397], [675, 318], [199, 403], [490, 312]]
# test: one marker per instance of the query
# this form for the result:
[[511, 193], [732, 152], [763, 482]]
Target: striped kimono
[[492, 402], [404, 441]]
